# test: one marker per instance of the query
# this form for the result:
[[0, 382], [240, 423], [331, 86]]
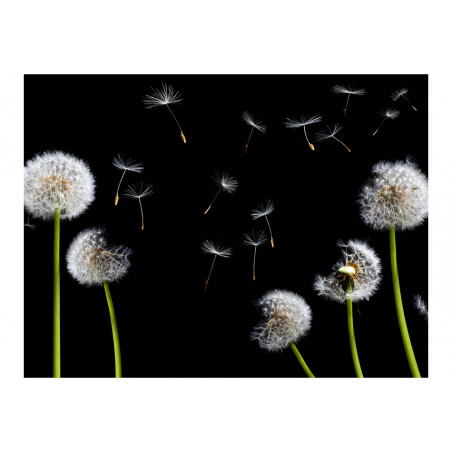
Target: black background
[[167, 326]]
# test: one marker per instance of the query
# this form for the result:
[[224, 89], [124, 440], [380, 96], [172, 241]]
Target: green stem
[[399, 307], [301, 360], [114, 328], [56, 297], [351, 335]]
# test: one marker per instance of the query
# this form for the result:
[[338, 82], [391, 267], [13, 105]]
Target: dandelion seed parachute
[[215, 248], [255, 124], [389, 113], [57, 179], [396, 95], [340, 89], [263, 210], [165, 96], [125, 165], [331, 132], [139, 191], [287, 318], [255, 238], [395, 196], [303, 122], [224, 182]]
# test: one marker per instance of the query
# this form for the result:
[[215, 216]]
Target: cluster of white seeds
[[287, 317], [91, 261], [56, 179]]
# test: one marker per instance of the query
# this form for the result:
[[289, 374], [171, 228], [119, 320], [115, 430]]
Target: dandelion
[[224, 182], [210, 247], [139, 191], [125, 165], [389, 113], [165, 96], [57, 186], [330, 132], [254, 123], [255, 238], [287, 318], [396, 197], [93, 262], [396, 95], [355, 277], [420, 305], [303, 122], [340, 89], [263, 210]]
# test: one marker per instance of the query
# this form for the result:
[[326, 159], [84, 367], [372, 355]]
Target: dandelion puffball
[[91, 261], [287, 317], [360, 264], [57, 179], [396, 196]]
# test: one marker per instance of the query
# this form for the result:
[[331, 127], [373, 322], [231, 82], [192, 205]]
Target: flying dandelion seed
[[401, 93], [28, 225], [340, 89], [125, 165], [420, 306], [165, 96], [255, 124], [330, 132], [303, 122], [263, 210], [224, 182], [389, 113], [255, 238], [139, 191], [210, 247]]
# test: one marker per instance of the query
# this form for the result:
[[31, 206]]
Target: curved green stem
[[114, 328], [301, 360], [56, 297], [399, 307], [351, 336]]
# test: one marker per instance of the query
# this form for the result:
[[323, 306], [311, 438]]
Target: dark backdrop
[[167, 326]]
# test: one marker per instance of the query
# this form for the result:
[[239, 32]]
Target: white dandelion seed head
[[255, 238], [249, 119], [420, 305], [140, 190], [211, 247], [287, 317], [341, 89], [91, 261], [395, 196], [129, 164], [390, 113], [328, 132], [57, 179], [227, 182], [262, 210], [366, 273], [164, 96], [398, 94], [304, 121]]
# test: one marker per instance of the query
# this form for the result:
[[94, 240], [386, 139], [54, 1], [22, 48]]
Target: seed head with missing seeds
[[263, 210], [359, 266], [125, 165], [303, 122], [165, 96], [224, 182], [139, 191], [255, 238], [215, 248], [340, 89], [330, 132], [255, 124]]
